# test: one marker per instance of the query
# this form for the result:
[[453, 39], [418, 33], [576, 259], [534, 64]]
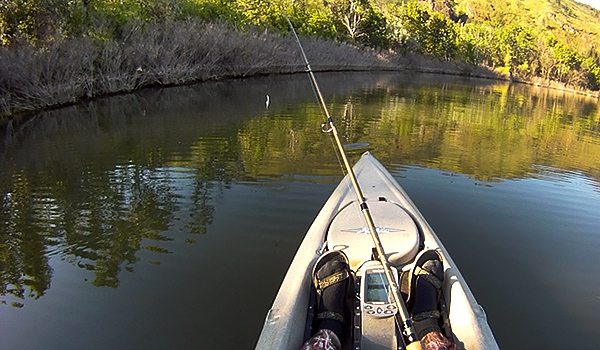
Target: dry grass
[[174, 53]]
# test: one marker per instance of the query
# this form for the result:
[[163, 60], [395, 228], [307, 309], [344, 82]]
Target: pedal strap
[[332, 279], [425, 322], [425, 315], [330, 315], [419, 271]]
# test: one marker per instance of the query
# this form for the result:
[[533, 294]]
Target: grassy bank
[[176, 53]]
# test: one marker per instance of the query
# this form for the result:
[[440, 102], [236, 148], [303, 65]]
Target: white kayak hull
[[286, 320]]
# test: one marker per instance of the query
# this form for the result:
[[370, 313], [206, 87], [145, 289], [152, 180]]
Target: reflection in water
[[92, 182], [97, 184]]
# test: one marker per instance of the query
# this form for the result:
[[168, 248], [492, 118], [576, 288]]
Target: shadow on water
[[107, 185]]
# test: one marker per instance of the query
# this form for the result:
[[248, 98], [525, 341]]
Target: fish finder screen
[[377, 288]]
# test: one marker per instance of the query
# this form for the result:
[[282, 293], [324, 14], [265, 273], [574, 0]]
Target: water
[[168, 218]]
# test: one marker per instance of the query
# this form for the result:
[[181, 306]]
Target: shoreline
[[168, 54], [547, 84]]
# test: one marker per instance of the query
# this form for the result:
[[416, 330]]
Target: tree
[[478, 44], [592, 72], [347, 14], [263, 13], [566, 60], [430, 33], [360, 21], [374, 29], [517, 47], [441, 36], [34, 20], [310, 17], [413, 20], [546, 62]]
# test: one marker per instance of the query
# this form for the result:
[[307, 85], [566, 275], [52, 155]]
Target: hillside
[[92, 42], [531, 39], [570, 22]]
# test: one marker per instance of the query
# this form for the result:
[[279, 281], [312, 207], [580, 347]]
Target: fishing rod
[[411, 340]]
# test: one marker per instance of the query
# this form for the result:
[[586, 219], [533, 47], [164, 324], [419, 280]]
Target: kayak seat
[[396, 228]]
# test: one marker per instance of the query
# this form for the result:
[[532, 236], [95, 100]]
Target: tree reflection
[[24, 267], [489, 132], [90, 208], [217, 166]]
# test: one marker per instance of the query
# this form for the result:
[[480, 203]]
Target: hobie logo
[[379, 229]]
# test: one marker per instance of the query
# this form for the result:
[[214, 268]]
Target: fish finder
[[377, 308], [376, 300]]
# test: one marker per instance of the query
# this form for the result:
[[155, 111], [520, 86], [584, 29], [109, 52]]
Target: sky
[[594, 3]]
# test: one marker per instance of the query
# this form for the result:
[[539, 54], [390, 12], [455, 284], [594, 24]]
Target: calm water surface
[[167, 219]]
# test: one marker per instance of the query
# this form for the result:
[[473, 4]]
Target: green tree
[[414, 20], [441, 37], [214, 10], [310, 17], [34, 20], [477, 43], [374, 28], [264, 13], [517, 48], [592, 71], [346, 15], [430, 33], [360, 21], [546, 62], [566, 60]]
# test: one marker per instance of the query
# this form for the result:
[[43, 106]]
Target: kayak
[[403, 232]]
